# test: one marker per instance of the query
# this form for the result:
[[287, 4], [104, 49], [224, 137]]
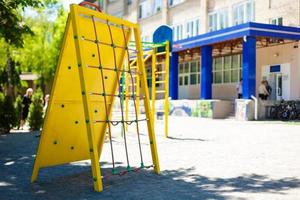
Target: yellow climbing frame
[[70, 132], [164, 73]]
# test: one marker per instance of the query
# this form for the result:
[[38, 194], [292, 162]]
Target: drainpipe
[[256, 107]]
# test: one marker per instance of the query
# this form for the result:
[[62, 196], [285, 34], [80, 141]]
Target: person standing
[[239, 89], [262, 91], [46, 101], [269, 89], [26, 101]]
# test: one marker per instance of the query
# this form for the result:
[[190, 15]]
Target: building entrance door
[[278, 86], [278, 77]]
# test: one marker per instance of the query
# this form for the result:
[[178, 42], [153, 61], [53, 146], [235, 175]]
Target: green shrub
[[18, 107], [35, 118], [8, 116]]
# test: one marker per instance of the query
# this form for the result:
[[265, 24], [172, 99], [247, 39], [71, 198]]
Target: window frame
[[218, 19], [187, 74], [223, 70], [276, 21], [243, 8], [172, 3], [178, 32], [182, 75], [213, 24]]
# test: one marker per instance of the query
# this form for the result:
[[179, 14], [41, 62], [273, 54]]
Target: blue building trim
[[206, 72], [173, 76], [249, 67], [163, 33], [248, 29]]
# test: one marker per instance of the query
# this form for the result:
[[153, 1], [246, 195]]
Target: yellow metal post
[[167, 64], [138, 93], [86, 99], [150, 124], [153, 83]]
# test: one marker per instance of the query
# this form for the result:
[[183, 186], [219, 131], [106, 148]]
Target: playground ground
[[202, 159]]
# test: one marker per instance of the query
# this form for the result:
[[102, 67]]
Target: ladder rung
[[160, 91], [160, 81], [161, 72], [160, 53]]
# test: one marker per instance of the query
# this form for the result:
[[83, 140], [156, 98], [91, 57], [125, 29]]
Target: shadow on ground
[[74, 182], [186, 139]]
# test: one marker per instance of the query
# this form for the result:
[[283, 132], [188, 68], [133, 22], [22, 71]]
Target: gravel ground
[[202, 159]]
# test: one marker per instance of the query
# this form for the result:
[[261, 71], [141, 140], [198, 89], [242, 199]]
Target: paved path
[[202, 159]]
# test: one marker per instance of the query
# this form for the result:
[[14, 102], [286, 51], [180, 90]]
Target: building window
[[212, 22], [243, 12], [177, 32], [189, 73], [157, 6], [218, 20], [192, 28], [277, 21], [174, 2], [227, 69], [144, 9], [223, 19]]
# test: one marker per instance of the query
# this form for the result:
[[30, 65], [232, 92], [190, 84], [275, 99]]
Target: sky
[[66, 3]]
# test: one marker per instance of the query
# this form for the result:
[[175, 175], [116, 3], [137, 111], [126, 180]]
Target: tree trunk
[[10, 87]]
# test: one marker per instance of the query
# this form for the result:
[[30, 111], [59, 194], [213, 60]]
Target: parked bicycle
[[285, 111]]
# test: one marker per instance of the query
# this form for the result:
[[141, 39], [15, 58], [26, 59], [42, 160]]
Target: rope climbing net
[[120, 95]]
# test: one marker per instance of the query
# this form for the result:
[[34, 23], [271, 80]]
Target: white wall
[[286, 54]]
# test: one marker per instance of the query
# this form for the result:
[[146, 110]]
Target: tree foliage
[[35, 118], [12, 27], [40, 46], [8, 115], [41, 51]]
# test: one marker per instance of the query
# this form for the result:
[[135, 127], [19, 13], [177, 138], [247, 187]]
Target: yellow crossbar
[[160, 91]]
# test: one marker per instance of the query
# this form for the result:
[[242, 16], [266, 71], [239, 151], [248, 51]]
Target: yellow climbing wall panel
[[92, 40]]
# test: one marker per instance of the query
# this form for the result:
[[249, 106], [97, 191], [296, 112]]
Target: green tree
[[12, 29], [35, 118], [18, 107], [41, 51], [8, 116]]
